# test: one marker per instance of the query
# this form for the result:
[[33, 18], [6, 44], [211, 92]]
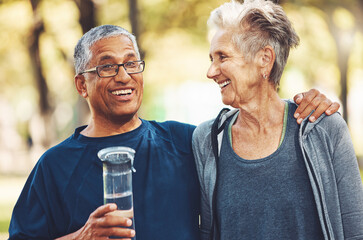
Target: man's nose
[[122, 75]]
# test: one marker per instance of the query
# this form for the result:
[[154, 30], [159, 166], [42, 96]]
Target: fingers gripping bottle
[[117, 179]]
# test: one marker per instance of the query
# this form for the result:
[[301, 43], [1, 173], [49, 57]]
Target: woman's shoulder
[[333, 125], [203, 130], [332, 122]]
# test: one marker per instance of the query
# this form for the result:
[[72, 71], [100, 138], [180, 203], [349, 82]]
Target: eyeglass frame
[[95, 69]]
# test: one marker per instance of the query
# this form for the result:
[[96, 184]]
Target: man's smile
[[122, 92]]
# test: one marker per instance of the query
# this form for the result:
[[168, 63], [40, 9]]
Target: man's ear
[[81, 86]]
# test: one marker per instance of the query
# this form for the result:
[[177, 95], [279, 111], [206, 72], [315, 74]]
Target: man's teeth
[[122, 92], [225, 83]]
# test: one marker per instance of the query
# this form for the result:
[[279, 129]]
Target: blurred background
[[39, 105]]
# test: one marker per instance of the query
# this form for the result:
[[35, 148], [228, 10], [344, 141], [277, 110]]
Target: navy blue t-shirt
[[66, 185], [269, 198]]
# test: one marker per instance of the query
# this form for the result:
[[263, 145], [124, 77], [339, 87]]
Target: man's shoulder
[[171, 127], [177, 133], [171, 124], [62, 149]]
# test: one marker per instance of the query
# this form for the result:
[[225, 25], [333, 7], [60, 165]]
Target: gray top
[[332, 168], [269, 198]]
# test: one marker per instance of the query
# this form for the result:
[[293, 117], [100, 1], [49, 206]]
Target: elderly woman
[[262, 175]]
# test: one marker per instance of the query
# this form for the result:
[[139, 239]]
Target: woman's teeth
[[225, 83]]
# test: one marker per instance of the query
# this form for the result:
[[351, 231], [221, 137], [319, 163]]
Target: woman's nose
[[213, 71]]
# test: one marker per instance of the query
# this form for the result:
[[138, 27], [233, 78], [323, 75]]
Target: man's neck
[[105, 128]]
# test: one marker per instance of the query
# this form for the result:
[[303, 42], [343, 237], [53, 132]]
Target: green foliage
[[174, 36], [4, 225]]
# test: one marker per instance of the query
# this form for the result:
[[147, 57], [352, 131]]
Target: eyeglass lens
[[112, 69]]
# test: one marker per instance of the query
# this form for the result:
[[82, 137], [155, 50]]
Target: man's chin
[[125, 116]]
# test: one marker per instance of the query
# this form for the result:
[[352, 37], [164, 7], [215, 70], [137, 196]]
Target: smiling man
[[63, 196], [116, 101]]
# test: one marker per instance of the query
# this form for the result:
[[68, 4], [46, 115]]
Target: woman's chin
[[226, 101]]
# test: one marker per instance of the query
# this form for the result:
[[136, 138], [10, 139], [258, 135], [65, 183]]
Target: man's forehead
[[106, 55], [118, 41], [117, 46]]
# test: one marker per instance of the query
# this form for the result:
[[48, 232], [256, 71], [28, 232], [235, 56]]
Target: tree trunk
[[87, 21], [34, 52], [38, 28], [135, 23], [343, 53], [343, 49], [87, 14]]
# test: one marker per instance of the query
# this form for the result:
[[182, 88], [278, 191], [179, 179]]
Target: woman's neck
[[262, 111], [258, 129]]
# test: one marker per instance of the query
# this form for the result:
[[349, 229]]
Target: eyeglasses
[[111, 70]]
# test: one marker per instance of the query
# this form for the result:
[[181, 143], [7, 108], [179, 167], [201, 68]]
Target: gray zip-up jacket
[[333, 171]]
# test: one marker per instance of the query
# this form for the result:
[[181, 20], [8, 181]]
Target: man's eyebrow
[[106, 57], [131, 55]]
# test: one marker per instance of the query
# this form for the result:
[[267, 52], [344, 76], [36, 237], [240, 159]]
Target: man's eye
[[108, 66], [221, 57], [131, 64]]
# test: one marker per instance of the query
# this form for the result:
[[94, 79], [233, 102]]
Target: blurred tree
[[172, 32], [342, 31], [87, 20], [191, 16], [135, 22], [87, 17], [34, 52]]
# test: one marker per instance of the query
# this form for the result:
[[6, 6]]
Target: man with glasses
[[111, 70], [63, 196]]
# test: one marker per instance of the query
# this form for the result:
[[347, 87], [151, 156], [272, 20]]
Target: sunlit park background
[[39, 105]]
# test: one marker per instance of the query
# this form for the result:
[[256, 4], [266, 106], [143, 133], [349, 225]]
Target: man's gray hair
[[82, 52], [255, 24]]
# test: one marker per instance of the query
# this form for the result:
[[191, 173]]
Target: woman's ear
[[268, 57], [266, 60], [81, 86]]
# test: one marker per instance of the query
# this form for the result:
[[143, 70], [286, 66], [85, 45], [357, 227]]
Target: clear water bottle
[[117, 179]]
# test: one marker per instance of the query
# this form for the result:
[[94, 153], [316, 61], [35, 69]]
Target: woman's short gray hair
[[82, 52], [254, 25]]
